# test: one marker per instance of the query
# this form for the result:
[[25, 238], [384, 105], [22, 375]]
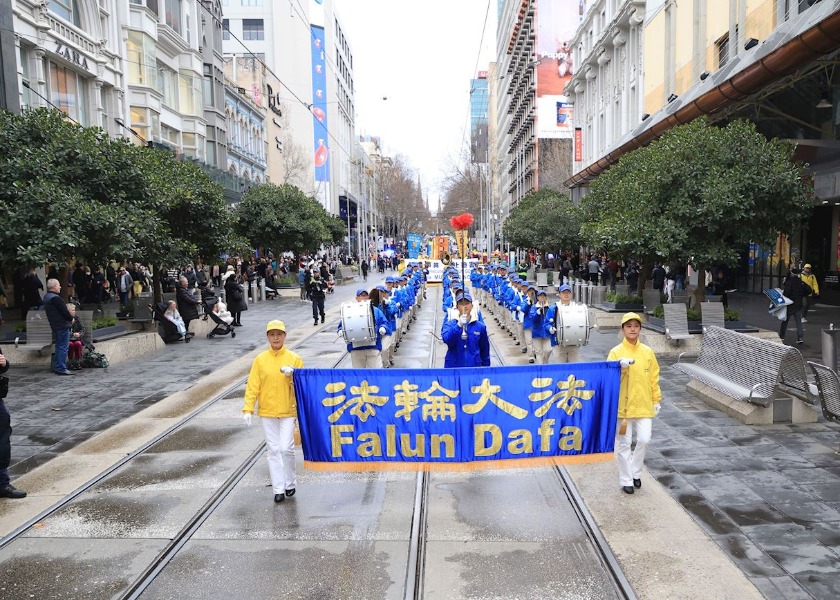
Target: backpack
[[94, 360]]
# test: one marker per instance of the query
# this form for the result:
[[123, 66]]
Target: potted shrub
[[732, 319], [623, 302]]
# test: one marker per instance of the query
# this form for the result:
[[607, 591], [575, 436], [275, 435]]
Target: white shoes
[[804, 320]]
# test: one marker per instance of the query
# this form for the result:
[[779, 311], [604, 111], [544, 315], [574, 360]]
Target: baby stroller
[[166, 328], [222, 328]]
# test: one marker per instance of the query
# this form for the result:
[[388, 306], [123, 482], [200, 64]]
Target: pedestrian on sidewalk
[[60, 322], [318, 292], [271, 388], [811, 281], [796, 290], [7, 490], [638, 401]]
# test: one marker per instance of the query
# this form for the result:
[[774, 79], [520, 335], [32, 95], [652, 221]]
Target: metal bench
[[828, 387], [747, 368], [713, 315], [676, 322], [39, 336]]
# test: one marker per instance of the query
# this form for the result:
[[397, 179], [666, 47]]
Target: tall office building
[[535, 118], [309, 83], [479, 100]]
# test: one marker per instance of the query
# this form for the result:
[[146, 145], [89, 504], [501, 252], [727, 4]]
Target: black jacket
[[5, 368], [317, 289], [57, 313], [187, 304], [796, 289]]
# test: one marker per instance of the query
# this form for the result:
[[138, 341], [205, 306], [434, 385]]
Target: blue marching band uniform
[[529, 315]]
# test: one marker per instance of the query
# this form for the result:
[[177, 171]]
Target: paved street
[[767, 496]]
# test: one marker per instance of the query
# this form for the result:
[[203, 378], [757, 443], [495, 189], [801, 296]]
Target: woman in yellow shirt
[[271, 388], [638, 401]]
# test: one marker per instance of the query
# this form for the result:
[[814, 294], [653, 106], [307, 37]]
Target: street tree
[[402, 206], [191, 219], [283, 218], [699, 194], [67, 191], [546, 220]]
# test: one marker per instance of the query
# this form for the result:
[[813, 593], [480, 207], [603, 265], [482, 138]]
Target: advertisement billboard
[[557, 22], [415, 244], [321, 151]]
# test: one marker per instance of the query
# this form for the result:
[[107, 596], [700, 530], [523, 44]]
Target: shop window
[[68, 91]]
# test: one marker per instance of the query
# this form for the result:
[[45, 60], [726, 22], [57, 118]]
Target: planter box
[[625, 306], [107, 333]]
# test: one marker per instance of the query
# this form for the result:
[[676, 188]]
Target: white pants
[[387, 350], [280, 439], [566, 354], [366, 359], [542, 350], [630, 463]]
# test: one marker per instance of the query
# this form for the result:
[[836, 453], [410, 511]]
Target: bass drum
[[357, 324], [573, 325]]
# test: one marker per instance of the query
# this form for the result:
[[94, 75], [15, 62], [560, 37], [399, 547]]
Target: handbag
[[4, 387], [236, 294]]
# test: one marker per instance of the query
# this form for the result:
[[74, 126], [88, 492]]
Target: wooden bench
[[751, 370], [713, 315], [676, 322], [828, 389]]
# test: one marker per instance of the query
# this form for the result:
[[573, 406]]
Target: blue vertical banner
[[415, 244], [358, 419], [321, 156]]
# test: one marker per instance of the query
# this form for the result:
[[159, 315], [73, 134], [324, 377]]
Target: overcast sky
[[420, 55]]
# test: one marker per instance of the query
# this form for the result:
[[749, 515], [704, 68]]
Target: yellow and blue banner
[[392, 419]]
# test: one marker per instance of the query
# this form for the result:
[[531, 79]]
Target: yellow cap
[[629, 317], [275, 324], [807, 267]]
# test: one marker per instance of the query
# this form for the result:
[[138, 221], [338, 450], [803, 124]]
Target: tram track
[[136, 588], [430, 492]]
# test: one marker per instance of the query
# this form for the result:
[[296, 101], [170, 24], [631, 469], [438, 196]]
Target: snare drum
[[572, 325], [357, 324]]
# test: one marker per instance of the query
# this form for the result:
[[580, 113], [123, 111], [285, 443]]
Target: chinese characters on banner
[[458, 415]]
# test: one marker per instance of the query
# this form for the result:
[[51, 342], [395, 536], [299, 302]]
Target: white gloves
[[287, 370], [382, 331], [626, 362], [399, 305], [656, 408], [552, 330], [462, 319], [518, 309], [247, 418]]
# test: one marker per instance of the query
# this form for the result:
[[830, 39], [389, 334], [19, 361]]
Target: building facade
[[310, 83], [69, 56], [768, 61], [247, 143]]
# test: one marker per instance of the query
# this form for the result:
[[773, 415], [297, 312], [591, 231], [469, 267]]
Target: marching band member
[[539, 332], [271, 388], [528, 322], [370, 356], [465, 337], [389, 310], [564, 354]]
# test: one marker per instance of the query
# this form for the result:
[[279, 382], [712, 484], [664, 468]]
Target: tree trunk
[[157, 293], [700, 290]]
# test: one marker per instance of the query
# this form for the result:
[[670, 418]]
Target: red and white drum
[[357, 325], [573, 325]]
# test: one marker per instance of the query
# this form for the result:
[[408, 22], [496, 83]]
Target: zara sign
[[72, 55]]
